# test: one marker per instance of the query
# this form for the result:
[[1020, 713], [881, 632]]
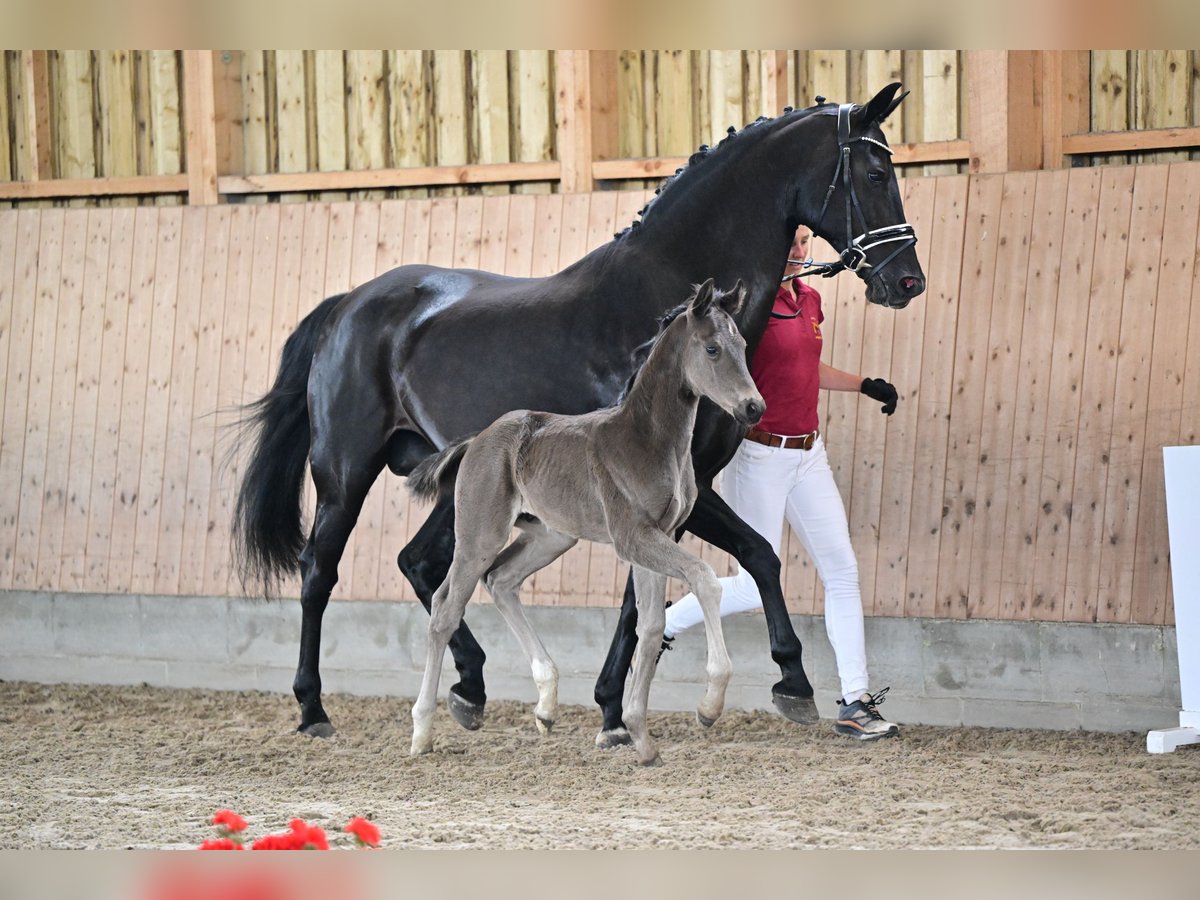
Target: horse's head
[[714, 357], [854, 201]]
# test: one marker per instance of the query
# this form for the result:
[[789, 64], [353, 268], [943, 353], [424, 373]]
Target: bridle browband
[[854, 257]]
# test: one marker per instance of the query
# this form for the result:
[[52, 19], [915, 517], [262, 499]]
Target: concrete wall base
[[942, 672]]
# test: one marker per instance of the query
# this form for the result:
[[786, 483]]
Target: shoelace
[[874, 700]]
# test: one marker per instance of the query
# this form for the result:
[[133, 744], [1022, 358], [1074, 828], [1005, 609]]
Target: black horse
[[408, 362]]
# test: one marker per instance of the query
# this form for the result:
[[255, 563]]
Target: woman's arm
[[836, 380]]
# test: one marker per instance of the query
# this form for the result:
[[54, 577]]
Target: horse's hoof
[[420, 749], [655, 760], [801, 710], [543, 725], [613, 738], [318, 730], [467, 714], [705, 720]]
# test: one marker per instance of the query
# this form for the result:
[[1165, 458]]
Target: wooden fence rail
[[165, 127], [1056, 350]]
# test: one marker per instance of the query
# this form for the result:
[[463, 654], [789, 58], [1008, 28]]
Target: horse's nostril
[[908, 283]]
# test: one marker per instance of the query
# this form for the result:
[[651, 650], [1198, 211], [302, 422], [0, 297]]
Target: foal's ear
[[733, 301], [702, 299], [884, 103]]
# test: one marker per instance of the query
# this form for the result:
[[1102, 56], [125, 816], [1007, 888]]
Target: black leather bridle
[[854, 257]]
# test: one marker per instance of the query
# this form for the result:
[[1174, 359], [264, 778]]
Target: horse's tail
[[436, 474], [267, 523]]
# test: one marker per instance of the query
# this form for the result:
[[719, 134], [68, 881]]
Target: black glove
[[885, 393]]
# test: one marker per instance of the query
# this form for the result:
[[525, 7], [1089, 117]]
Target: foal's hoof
[[655, 760], [613, 738], [544, 726], [801, 710], [705, 720], [467, 714], [318, 730]]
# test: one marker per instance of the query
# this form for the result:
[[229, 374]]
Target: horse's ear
[[702, 299], [883, 103], [733, 300]]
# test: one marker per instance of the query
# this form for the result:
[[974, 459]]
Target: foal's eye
[[876, 177], [712, 350]]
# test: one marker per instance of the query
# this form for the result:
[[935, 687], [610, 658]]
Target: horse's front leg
[[712, 520], [425, 562]]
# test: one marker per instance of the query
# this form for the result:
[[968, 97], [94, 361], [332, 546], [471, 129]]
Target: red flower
[[229, 820], [220, 844], [301, 837], [365, 833]]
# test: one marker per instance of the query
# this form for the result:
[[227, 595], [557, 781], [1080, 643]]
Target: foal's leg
[[651, 589], [652, 549], [425, 562], [534, 549]]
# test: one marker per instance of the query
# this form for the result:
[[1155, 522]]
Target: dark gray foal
[[621, 476]]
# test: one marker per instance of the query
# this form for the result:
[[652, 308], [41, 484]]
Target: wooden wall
[[1053, 355]]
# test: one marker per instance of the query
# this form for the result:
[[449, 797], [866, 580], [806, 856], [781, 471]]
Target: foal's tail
[[267, 527], [435, 474]]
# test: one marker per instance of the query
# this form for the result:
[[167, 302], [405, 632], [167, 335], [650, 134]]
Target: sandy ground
[[105, 767]]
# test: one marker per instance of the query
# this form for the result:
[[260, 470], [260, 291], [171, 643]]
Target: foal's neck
[[660, 406]]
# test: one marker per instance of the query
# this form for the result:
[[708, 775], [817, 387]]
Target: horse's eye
[[712, 350], [876, 177]]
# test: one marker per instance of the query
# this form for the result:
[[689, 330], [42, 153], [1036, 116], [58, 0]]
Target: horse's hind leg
[[534, 549], [651, 588], [610, 685], [339, 501], [425, 562]]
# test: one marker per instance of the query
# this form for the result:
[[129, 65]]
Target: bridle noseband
[[854, 257]]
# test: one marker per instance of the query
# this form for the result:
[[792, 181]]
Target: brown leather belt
[[799, 442]]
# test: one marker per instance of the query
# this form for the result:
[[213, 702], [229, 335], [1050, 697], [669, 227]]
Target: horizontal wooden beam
[[93, 187], [931, 152], [373, 179], [1130, 141]]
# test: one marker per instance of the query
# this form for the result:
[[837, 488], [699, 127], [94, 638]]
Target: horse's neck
[[660, 409]]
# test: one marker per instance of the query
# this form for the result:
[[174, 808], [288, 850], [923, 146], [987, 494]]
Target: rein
[[854, 257]]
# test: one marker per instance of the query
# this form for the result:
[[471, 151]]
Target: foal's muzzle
[[750, 412]]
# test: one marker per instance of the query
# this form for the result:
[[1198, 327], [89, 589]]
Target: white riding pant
[[763, 485]]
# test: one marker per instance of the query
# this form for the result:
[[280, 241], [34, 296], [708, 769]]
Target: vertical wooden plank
[[363, 557], [468, 225], [516, 240], [291, 110], [999, 405], [449, 112], [1110, 96], [75, 144], [488, 108], [338, 255], [60, 410], [1005, 123], [532, 118], [200, 117], [573, 123], [1163, 95], [157, 400], [881, 68], [493, 234], [1030, 401], [7, 145], [127, 485], [676, 128], [234, 326], [1099, 385], [116, 125], [32, 119], [329, 76], [982, 237], [10, 222], [1131, 395], [940, 91], [22, 305], [39, 376], [164, 127], [725, 93], [227, 110], [602, 67], [183, 365], [409, 111], [901, 448], [73, 568], [366, 113], [393, 493], [1168, 364], [256, 143], [631, 104], [941, 302], [1066, 392], [106, 448], [830, 75], [205, 398]]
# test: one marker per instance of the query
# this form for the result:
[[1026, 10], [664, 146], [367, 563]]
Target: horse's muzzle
[[750, 412]]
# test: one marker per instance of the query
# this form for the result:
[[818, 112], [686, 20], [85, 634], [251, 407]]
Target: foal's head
[[714, 353]]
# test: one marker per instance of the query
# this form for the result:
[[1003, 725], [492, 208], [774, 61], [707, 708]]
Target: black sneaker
[[861, 719]]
